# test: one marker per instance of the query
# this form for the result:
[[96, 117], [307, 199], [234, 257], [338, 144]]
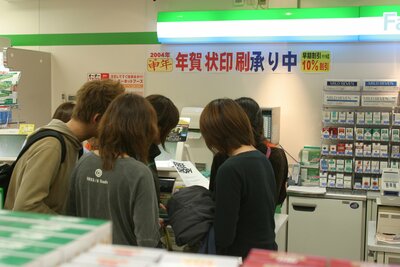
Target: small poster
[[180, 132], [315, 61], [133, 82], [8, 87]]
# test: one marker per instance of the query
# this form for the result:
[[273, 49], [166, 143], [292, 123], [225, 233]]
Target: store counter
[[386, 254]]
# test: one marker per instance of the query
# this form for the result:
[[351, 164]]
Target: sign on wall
[[133, 82], [315, 61], [253, 61]]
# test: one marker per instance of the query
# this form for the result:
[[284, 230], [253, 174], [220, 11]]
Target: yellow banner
[[315, 61]]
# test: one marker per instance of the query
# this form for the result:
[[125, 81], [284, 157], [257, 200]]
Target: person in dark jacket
[[244, 189], [167, 119], [276, 156]]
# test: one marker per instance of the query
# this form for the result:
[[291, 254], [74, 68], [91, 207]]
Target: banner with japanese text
[[133, 82], [251, 61]]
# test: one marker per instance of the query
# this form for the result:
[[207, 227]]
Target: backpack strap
[[40, 135], [268, 152]]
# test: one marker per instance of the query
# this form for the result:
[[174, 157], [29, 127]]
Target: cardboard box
[[361, 118], [332, 165], [385, 118], [376, 134], [369, 117], [395, 135], [341, 149], [342, 117], [334, 116], [332, 150], [342, 133], [340, 165], [360, 134], [350, 117], [376, 150], [367, 134], [376, 116], [375, 166], [325, 149], [348, 165], [349, 134], [359, 151], [348, 150], [366, 166], [396, 118], [367, 150], [326, 134], [384, 134], [323, 164], [366, 182], [326, 116], [358, 166]]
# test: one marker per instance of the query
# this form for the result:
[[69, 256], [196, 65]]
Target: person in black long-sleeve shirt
[[275, 155], [244, 184]]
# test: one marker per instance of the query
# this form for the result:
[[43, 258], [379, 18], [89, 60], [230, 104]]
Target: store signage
[[366, 23], [379, 101], [380, 85], [341, 100], [133, 82], [342, 85], [391, 21]]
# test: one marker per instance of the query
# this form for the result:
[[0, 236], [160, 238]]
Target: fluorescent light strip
[[259, 28], [278, 30]]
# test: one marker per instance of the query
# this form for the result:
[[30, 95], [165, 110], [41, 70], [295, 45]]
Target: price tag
[[26, 128]]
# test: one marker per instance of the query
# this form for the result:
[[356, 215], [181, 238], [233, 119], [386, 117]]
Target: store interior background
[[298, 94]]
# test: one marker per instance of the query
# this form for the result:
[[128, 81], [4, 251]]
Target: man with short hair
[[39, 183]]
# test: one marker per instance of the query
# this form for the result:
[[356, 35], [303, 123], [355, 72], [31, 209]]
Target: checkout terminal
[[388, 219]]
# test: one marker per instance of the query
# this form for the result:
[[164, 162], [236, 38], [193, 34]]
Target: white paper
[[307, 189], [189, 174]]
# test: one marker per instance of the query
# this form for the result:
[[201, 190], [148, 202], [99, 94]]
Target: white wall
[[299, 95]]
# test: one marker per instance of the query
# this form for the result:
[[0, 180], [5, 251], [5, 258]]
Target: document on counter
[[314, 190], [189, 174]]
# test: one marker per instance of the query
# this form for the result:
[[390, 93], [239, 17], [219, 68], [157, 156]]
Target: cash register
[[388, 219]]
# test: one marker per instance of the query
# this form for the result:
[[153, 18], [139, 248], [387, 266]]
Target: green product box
[[310, 176], [367, 134]]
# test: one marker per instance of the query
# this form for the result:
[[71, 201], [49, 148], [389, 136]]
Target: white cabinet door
[[326, 227]]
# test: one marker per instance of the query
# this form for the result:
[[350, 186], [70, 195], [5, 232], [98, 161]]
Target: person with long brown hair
[[114, 183], [244, 184], [275, 154]]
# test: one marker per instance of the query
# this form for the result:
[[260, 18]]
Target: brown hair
[[94, 97], [128, 126], [167, 115], [225, 126], [64, 111]]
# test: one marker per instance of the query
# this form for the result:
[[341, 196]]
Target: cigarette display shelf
[[357, 142]]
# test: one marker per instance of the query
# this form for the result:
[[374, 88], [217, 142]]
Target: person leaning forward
[[39, 183]]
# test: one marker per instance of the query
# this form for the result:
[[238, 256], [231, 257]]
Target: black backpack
[[6, 170]]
